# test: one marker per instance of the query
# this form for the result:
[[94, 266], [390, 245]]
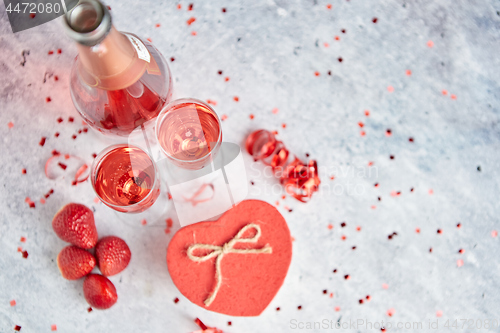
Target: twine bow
[[220, 251]]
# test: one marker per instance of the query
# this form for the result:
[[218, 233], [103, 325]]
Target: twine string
[[220, 251]]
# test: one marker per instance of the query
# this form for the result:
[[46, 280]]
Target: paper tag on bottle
[[142, 51]]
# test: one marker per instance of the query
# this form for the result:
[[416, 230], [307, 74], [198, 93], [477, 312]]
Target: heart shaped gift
[[234, 265]]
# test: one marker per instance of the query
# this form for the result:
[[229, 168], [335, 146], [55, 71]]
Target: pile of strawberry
[[74, 223]]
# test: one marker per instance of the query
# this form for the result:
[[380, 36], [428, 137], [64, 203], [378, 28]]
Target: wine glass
[[189, 133], [126, 179]]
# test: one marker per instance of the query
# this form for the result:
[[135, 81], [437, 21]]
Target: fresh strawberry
[[99, 292], [75, 263], [74, 223], [112, 254]]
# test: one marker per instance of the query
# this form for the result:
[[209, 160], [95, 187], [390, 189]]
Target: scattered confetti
[[42, 141], [190, 21], [48, 99], [13, 303], [10, 124]]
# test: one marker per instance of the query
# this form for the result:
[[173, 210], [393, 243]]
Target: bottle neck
[[107, 58]]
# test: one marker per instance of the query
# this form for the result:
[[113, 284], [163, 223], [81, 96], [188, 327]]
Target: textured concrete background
[[271, 50]]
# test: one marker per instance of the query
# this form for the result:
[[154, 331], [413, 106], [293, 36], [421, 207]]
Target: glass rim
[[97, 162], [161, 117]]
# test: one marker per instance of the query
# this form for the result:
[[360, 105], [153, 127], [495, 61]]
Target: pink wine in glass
[[118, 81], [189, 133], [125, 178]]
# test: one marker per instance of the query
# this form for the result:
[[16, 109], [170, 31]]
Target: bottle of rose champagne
[[118, 81]]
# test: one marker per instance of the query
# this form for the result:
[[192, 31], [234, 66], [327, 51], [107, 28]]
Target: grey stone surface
[[271, 50]]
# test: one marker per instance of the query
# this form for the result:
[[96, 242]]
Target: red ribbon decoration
[[300, 180]]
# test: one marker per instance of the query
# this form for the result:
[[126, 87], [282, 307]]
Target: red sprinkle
[[25, 254], [190, 21], [236, 98], [62, 165], [10, 124], [56, 78], [23, 239], [157, 25], [229, 323], [226, 78], [347, 277], [71, 119], [316, 73], [193, 33], [53, 327], [200, 323], [329, 6], [51, 52], [13, 303], [42, 141], [190, 7], [24, 171], [56, 134], [374, 20], [408, 72], [390, 89], [223, 117], [388, 132], [223, 10], [59, 120], [430, 43], [179, 6], [48, 99], [299, 307], [73, 136], [17, 328], [367, 113], [252, 116], [32, 15], [176, 300]]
